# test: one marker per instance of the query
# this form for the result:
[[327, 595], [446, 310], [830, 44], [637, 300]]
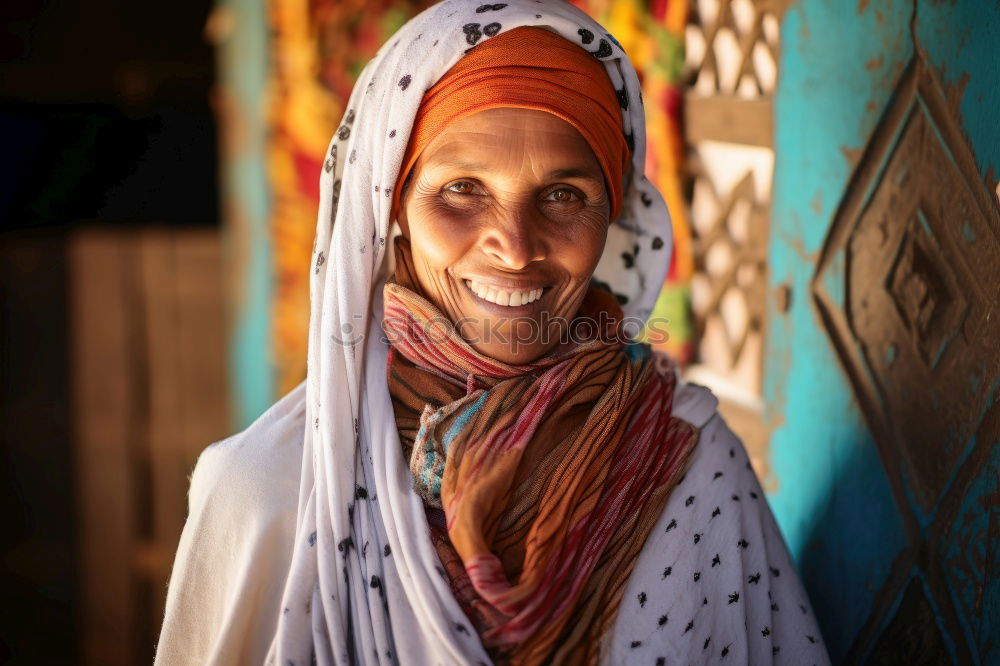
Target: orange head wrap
[[528, 68]]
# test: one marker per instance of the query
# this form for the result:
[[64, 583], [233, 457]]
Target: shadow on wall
[[882, 598]]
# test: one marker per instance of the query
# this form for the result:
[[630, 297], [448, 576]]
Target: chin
[[504, 353]]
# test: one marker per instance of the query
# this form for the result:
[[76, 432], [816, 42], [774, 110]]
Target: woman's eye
[[462, 187], [563, 195]]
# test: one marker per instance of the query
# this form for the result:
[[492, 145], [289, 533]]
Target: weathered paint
[[962, 41], [241, 27], [839, 66], [831, 481], [969, 550]]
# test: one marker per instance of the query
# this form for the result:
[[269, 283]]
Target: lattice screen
[[731, 71], [732, 48], [743, 35]]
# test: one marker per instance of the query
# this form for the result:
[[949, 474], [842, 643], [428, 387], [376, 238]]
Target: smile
[[504, 297]]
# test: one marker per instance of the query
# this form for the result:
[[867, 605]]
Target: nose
[[515, 240]]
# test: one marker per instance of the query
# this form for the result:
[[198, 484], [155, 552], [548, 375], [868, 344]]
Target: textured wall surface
[[882, 371]]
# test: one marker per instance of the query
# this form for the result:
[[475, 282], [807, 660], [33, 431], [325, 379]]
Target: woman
[[479, 466]]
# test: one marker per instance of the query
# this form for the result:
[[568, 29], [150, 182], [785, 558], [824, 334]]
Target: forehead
[[496, 134]]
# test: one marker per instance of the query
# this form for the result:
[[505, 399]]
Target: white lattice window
[[731, 73]]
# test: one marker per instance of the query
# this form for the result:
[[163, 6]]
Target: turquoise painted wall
[[962, 41], [839, 65], [243, 66]]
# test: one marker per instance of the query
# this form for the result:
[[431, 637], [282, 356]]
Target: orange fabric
[[528, 68]]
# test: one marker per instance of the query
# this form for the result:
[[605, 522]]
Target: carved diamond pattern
[[907, 286], [912, 636], [924, 291]]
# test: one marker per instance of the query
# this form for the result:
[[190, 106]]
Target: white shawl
[[363, 583]]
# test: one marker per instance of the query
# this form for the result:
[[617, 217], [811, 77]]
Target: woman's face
[[507, 214]]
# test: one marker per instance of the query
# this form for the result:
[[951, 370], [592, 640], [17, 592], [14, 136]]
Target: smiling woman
[[488, 470]]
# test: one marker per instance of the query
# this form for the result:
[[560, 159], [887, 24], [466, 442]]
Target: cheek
[[438, 239], [582, 249]]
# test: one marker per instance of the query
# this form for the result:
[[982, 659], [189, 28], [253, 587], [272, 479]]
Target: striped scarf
[[542, 481]]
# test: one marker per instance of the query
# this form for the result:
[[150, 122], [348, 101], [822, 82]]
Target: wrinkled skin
[[513, 199]]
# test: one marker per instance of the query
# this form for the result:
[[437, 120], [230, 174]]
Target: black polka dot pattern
[[603, 50], [622, 98], [331, 160], [720, 564], [472, 33]]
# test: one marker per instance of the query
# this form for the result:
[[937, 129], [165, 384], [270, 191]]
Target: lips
[[503, 296]]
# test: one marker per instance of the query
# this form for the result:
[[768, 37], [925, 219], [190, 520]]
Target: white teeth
[[502, 297]]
